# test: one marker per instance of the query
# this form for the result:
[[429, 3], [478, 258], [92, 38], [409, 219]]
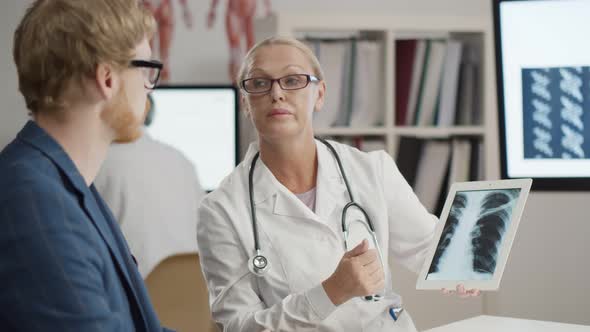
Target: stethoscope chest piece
[[258, 264]]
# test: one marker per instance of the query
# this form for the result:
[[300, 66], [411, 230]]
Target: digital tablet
[[474, 235]]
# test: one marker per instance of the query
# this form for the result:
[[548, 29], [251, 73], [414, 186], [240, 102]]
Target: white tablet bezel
[[494, 283]]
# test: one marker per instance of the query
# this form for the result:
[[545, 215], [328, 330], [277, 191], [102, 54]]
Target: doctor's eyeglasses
[[259, 85], [151, 71]]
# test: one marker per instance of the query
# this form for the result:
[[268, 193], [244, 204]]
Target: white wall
[[547, 273], [13, 114], [546, 277]]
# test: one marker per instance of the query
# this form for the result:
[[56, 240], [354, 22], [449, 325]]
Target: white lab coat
[[303, 247]]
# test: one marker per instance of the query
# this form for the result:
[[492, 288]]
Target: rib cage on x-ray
[[470, 241], [494, 219], [459, 203]]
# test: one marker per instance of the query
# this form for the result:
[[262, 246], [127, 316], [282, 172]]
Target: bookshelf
[[351, 131], [386, 30], [439, 132]]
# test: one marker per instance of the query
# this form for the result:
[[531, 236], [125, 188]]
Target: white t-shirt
[[154, 193]]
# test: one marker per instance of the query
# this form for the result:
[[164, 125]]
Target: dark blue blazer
[[64, 264]]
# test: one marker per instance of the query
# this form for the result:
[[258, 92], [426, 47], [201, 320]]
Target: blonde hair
[[278, 40], [58, 41]]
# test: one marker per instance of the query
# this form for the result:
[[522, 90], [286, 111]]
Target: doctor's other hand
[[462, 292], [359, 273]]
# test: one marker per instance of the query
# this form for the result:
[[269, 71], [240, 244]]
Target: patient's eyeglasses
[[151, 71]]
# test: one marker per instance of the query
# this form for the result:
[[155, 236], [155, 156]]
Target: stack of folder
[[436, 82]]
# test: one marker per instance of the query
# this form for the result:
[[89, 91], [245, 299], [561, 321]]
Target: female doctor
[[279, 241]]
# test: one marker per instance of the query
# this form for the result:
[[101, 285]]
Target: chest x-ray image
[[472, 236]]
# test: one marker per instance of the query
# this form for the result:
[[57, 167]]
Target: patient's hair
[[61, 42]]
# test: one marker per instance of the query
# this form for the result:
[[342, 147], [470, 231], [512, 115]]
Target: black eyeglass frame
[[149, 64], [310, 79]]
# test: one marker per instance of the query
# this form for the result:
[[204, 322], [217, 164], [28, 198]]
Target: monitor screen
[[543, 72], [201, 122]]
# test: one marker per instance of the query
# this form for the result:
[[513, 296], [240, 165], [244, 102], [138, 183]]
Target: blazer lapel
[[117, 247], [109, 230]]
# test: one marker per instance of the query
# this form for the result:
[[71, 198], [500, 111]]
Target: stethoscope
[[259, 264]]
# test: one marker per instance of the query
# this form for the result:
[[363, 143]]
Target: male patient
[[84, 71]]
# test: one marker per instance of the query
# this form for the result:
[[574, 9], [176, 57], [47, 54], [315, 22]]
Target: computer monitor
[[201, 122], [543, 78]]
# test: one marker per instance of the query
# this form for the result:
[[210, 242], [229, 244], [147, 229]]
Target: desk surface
[[506, 324]]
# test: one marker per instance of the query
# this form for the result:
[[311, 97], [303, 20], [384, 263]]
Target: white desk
[[505, 324]]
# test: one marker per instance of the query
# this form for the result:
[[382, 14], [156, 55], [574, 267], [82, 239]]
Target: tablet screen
[[472, 235]]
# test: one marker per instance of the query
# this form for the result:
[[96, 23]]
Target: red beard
[[121, 118]]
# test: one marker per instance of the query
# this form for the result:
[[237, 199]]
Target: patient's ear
[[106, 79]]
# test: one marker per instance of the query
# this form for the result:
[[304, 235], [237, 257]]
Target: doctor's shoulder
[[232, 189], [374, 161], [223, 209]]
